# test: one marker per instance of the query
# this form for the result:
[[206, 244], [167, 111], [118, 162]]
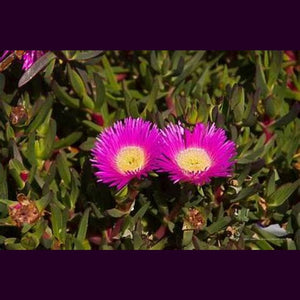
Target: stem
[[170, 101], [162, 230], [184, 197], [125, 206], [132, 194], [117, 227]]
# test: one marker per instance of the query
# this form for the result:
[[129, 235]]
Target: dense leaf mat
[[52, 113]]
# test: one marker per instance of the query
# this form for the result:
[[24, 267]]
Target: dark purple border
[[156, 25], [133, 25], [149, 274]]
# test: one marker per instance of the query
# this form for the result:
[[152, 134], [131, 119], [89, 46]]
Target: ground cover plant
[[140, 150]]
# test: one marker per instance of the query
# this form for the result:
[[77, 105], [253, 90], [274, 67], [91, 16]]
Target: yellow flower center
[[193, 160], [130, 159]]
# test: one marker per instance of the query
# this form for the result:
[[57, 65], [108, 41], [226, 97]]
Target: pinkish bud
[[24, 175], [121, 77], [98, 119]]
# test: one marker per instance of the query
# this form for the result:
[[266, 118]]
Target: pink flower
[[125, 151], [28, 58], [195, 156]]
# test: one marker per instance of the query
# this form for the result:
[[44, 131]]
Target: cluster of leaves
[[52, 113]]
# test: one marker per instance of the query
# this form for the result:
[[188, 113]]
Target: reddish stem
[[117, 228], [162, 230], [170, 101], [132, 194]]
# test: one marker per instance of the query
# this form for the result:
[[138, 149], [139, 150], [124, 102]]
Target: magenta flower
[[125, 151], [195, 156], [28, 58]]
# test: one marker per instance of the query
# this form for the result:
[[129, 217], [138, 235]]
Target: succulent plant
[[52, 113]]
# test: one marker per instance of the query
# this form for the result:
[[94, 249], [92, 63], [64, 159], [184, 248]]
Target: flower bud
[[98, 119], [24, 175]]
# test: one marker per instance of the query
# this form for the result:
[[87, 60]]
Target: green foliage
[[68, 97]]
